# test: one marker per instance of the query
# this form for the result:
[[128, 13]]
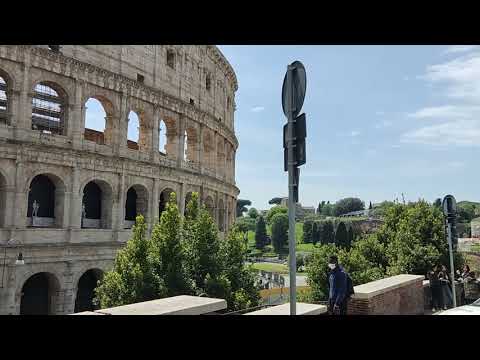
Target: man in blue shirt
[[337, 281]]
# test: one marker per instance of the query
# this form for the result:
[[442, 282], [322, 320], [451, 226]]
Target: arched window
[[133, 134], [3, 100], [96, 205], [164, 198], [208, 82], [45, 202], [185, 147], [136, 204], [162, 138], [221, 215], [97, 125], [3, 199], [49, 109], [209, 205], [191, 145], [39, 295], [86, 290]]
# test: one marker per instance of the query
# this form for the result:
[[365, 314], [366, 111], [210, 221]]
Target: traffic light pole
[[452, 270], [291, 201]]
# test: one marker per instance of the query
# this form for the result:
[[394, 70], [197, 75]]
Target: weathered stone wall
[[77, 156]]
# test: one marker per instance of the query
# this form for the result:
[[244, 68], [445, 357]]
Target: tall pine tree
[[260, 233]]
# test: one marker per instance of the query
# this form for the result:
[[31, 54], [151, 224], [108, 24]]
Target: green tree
[[328, 209], [168, 254], [275, 210], [260, 233], [252, 213], [317, 271], [242, 291], [370, 207], [275, 200], [205, 258], [327, 232], [279, 231], [320, 207], [241, 206], [466, 212], [437, 203], [341, 236], [414, 237], [308, 231], [347, 205], [132, 278]]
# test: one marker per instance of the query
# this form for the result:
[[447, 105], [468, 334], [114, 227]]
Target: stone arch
[[162, 137], [208, 149], [163, 200], [48, 191], [136, 203], [85, 294], [191, 143], [39, 294], [97, 197], [133, 132], [6, 86], [220, 165], [221, 215], [210, 206], [3, 199], [144, 138], [99, 120], [49, 108], [188, 197]]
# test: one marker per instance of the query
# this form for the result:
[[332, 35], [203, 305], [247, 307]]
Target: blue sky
[[381, 120]]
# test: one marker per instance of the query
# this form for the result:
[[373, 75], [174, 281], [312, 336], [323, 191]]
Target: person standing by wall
[[337, 281], [435, 287], [445, 283]]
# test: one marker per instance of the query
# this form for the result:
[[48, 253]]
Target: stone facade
[[190, 89]]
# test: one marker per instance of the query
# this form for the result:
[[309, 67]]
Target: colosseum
[[70, 188]]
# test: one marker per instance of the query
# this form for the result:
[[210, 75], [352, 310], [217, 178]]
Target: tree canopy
[[347, 205]]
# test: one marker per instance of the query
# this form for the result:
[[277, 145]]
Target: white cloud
[[460, 133], [380, 113], [450, 112], [257, 109], [354, 133], [458, 120], [461, 76], [460, 48], [395, 146]]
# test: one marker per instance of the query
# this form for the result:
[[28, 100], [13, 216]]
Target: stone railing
[[284, 309], [177, 305], [396, 295]]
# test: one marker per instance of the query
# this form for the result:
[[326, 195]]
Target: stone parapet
[[396, 295]]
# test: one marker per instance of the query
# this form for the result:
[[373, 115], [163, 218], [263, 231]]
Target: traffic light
[[299, 135]]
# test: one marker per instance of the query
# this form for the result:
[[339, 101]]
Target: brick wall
[[397, 295]]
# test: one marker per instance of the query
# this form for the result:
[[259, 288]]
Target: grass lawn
[[278, 268]]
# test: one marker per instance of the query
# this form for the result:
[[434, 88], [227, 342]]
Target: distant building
[[300, 211], [357, 213], [475, 227]]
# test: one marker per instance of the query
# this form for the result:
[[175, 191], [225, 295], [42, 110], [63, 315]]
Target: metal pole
[[291, 203], [451, 264]]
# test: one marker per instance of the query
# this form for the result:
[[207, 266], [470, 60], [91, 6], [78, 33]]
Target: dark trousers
[[437, 297], [342, 308]]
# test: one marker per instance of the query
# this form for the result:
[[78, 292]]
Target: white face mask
[[332, 266]]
